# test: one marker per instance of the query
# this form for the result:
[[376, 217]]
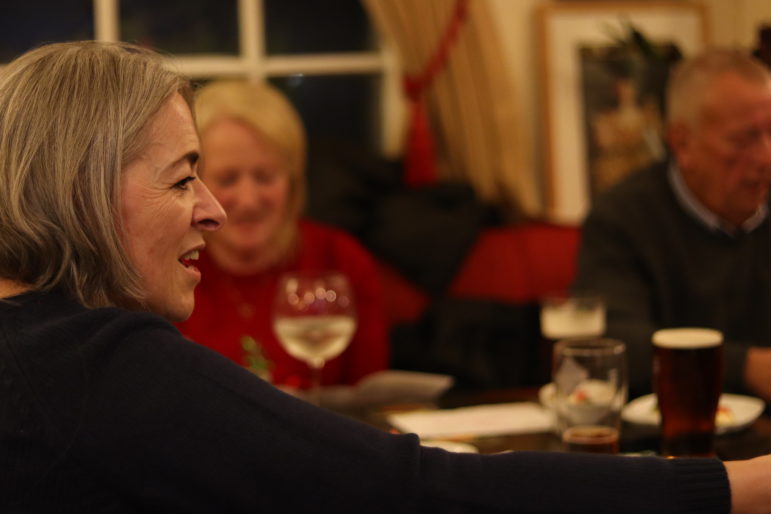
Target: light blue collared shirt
[[712, 221]]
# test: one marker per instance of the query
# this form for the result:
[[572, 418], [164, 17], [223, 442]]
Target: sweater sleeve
[[178, 428]]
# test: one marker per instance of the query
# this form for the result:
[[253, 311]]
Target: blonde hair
[[691, 79], [266, 110], [72, 115]]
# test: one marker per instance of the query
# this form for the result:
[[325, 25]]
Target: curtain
[[472, 106]]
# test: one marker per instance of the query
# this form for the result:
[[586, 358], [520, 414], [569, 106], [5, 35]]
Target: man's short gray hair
[[692, 77]]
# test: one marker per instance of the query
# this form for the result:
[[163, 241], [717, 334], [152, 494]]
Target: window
[[330, 26], [324, 55], [189, 27], [22, 27]]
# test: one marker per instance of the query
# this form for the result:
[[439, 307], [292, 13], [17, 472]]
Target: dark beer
[[591, 439], [688, 379]]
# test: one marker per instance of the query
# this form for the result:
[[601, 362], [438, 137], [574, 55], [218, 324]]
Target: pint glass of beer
[[590, 379], [564, 316], [687, 379]]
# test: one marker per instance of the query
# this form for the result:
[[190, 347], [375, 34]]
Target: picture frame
[[602, 104]]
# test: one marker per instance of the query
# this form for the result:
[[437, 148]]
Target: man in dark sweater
[[688, 242]]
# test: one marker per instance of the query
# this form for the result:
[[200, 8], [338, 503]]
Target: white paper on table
[[479, 420], [388, 386]]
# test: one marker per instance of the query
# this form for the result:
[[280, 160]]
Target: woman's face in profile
[[164, 211], [249, 176]]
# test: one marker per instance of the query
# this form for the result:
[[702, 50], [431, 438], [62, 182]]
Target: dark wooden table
[[750, 442]]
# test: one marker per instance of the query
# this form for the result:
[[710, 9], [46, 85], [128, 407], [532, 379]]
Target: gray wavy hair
[[72, 115]]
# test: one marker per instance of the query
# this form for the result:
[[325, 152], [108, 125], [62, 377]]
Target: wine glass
[[314, 318]]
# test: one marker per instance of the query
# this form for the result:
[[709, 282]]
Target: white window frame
[[252, 62]]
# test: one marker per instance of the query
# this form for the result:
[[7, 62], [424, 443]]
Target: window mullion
[[251, 22], [323, 64], [393, 109]]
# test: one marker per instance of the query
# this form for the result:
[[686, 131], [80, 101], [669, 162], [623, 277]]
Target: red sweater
[[228, 308]]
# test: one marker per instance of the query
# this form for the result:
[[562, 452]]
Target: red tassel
[[420, 167], [420, 158]]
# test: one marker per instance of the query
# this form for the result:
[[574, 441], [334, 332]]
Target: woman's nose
[[248, 195], [209, 214]]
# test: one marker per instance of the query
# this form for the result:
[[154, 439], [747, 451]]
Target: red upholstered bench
[[516, 264]]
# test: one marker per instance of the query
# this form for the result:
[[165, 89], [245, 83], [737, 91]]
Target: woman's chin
[[241, 259], [237, 245]]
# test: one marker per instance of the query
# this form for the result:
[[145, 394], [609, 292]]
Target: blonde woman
[[253, 161]]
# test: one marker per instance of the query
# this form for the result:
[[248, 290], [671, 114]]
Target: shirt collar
[[693, 206]]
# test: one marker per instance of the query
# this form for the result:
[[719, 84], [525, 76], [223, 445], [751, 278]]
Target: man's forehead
[[737, 99]]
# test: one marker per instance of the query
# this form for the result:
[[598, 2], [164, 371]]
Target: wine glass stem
[[316, 383]]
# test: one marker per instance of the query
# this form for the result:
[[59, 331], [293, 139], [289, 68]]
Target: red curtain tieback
[[420, 166]]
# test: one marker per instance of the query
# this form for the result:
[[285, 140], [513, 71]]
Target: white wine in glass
[[314, 318]]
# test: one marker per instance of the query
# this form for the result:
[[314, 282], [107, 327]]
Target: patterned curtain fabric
[[475, 121]]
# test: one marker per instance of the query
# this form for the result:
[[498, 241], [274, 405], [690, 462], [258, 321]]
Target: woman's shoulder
[[51, 334], [40, 318], [54, 340]]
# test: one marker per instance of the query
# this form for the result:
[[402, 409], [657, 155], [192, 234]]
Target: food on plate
[[725, 415], [592, 392]]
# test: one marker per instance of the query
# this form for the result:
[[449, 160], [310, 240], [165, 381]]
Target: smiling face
[[249, 176], [725, 157], [165, 210]]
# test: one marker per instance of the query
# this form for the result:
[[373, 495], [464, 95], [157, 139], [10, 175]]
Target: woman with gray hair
[[107, 408]]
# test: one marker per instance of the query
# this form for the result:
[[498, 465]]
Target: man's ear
[[679, 140]]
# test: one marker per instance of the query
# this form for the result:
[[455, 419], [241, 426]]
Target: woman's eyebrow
[[191, 157]]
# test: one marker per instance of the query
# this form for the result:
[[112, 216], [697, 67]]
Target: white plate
[[450, 446], [546, 395], [744, 410]]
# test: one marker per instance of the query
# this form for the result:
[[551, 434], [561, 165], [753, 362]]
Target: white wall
[[730, 22], [735, 22]]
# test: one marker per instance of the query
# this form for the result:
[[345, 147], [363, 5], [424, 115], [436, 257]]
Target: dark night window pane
[[189, 27], [300, 26], [24, 25], [338, 107]]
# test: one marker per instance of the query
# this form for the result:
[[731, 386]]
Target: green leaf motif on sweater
[[255, 359]]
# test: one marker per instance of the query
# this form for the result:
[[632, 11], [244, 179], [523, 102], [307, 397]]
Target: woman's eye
[[221, 178], [226, 181], [265, 178], [182, 184]]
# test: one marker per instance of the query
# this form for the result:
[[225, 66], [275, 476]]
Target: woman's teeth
[[188, 258]]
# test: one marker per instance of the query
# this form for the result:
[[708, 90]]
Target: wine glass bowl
[[314, 318]]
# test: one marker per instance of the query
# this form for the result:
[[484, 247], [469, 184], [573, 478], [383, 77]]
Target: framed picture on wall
[[604, 68]]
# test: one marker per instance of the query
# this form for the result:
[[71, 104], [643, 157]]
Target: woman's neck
[[10, 288]]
